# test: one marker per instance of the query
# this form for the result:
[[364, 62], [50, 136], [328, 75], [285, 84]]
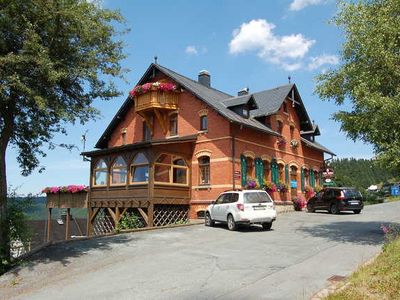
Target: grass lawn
[[378, 280]]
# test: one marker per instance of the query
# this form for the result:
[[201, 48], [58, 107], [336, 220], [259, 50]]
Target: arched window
[[203, 122], [140, 169], [100, 173], [279, 126], [204, 170], [119, 171], [293, 180], [267, 171], [281, 170], [170, 169], [249, 167]]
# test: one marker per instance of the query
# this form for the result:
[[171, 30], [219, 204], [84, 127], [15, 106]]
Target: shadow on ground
[[363, 233], [66, 251]]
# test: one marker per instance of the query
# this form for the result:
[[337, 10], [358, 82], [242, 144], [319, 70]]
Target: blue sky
[[242, 43]]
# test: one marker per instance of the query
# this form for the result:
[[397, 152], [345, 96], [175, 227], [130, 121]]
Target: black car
[[337, 199]]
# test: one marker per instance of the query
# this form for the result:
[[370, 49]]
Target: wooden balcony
[[156, 100]]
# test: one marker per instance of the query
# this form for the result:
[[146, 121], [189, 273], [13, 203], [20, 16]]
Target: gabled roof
[[211, 96], [266, 102], [317, 146], [269, 101]]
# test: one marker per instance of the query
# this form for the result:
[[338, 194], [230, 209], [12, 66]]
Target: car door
[[319, 199], [327, 199], [216, 208], [224, 208]]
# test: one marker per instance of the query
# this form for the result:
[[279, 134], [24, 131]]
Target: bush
[[299, 203], [16, 222], [129, 220]]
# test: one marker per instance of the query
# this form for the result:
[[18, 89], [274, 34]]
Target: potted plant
[[270, 187], [281, 142], [282, 187], [294, 143], [251, 184], [309, 192], [299, 203], [152, 86]]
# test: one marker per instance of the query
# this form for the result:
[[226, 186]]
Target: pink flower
[[54, 190], [385, 229]]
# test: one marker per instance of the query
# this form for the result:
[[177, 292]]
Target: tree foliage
[[369, 76], [56, 57], [361, 173]]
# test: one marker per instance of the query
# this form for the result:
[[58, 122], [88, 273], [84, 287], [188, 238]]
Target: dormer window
[[245, 111]]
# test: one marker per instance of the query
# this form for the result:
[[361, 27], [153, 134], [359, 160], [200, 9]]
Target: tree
[[56, 57], [369, 76]]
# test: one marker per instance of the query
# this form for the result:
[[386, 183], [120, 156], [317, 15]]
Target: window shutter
[[302, 180], [287, 174], [312, 178], [259, 172], [274, 172], [243, 169]]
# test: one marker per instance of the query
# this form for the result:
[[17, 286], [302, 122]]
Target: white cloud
[[300, 4], [191, 50], [324, 59], [258, 36]]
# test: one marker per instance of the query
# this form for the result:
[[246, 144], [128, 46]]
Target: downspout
[[233, 158]]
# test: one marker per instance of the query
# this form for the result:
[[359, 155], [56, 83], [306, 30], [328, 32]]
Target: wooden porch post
[[67, 224], [89, 221], [150, 209], [49, 225]]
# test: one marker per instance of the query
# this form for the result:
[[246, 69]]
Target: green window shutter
[[243, 169], [302, 180], [287, 174], [320, 178], [274, 172], [312, 178], [260, 172]]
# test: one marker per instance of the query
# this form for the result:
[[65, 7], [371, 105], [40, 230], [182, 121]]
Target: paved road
[[292, 261]]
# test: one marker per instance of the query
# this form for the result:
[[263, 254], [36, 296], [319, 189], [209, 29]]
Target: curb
[[341, 285]]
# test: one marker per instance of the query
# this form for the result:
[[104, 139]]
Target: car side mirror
[[213, 202]]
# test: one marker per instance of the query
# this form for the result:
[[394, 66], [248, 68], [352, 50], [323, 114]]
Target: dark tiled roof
[[240, 100], [214, 98], [270, 101], [317, 146]]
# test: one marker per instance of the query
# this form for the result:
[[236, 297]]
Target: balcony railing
[[156, 100]]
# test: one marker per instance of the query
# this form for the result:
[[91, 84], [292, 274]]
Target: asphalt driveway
[[292, 261]]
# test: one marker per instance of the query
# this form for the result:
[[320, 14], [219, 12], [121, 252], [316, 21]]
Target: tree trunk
[[4, 224]]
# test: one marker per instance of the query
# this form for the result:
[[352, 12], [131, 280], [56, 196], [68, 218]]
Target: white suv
[[242, 207]]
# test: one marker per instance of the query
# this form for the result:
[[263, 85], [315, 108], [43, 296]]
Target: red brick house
[[176, 143]]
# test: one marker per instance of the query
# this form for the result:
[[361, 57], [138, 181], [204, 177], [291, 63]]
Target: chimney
[[243, 92], [204, 78]]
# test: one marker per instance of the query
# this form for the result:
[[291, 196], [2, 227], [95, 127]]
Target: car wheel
[[357, 211], [310, 208], [266, 226], [334, 209], [208, 221], [231, 223]]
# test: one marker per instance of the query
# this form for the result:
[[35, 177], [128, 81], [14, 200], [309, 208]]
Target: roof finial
[[155, 59], [289, 77]]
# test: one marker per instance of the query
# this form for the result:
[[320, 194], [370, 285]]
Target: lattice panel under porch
[[170, 214], [103, 223]]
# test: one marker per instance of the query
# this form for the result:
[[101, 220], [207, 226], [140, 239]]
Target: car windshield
[[257, 197], [352, 193]]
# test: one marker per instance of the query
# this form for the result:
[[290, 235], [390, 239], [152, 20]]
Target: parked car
[[242, 207], [337, 199]]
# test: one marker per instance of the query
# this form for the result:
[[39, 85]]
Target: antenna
[[83, 139], [155, 59], [289, 78]]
